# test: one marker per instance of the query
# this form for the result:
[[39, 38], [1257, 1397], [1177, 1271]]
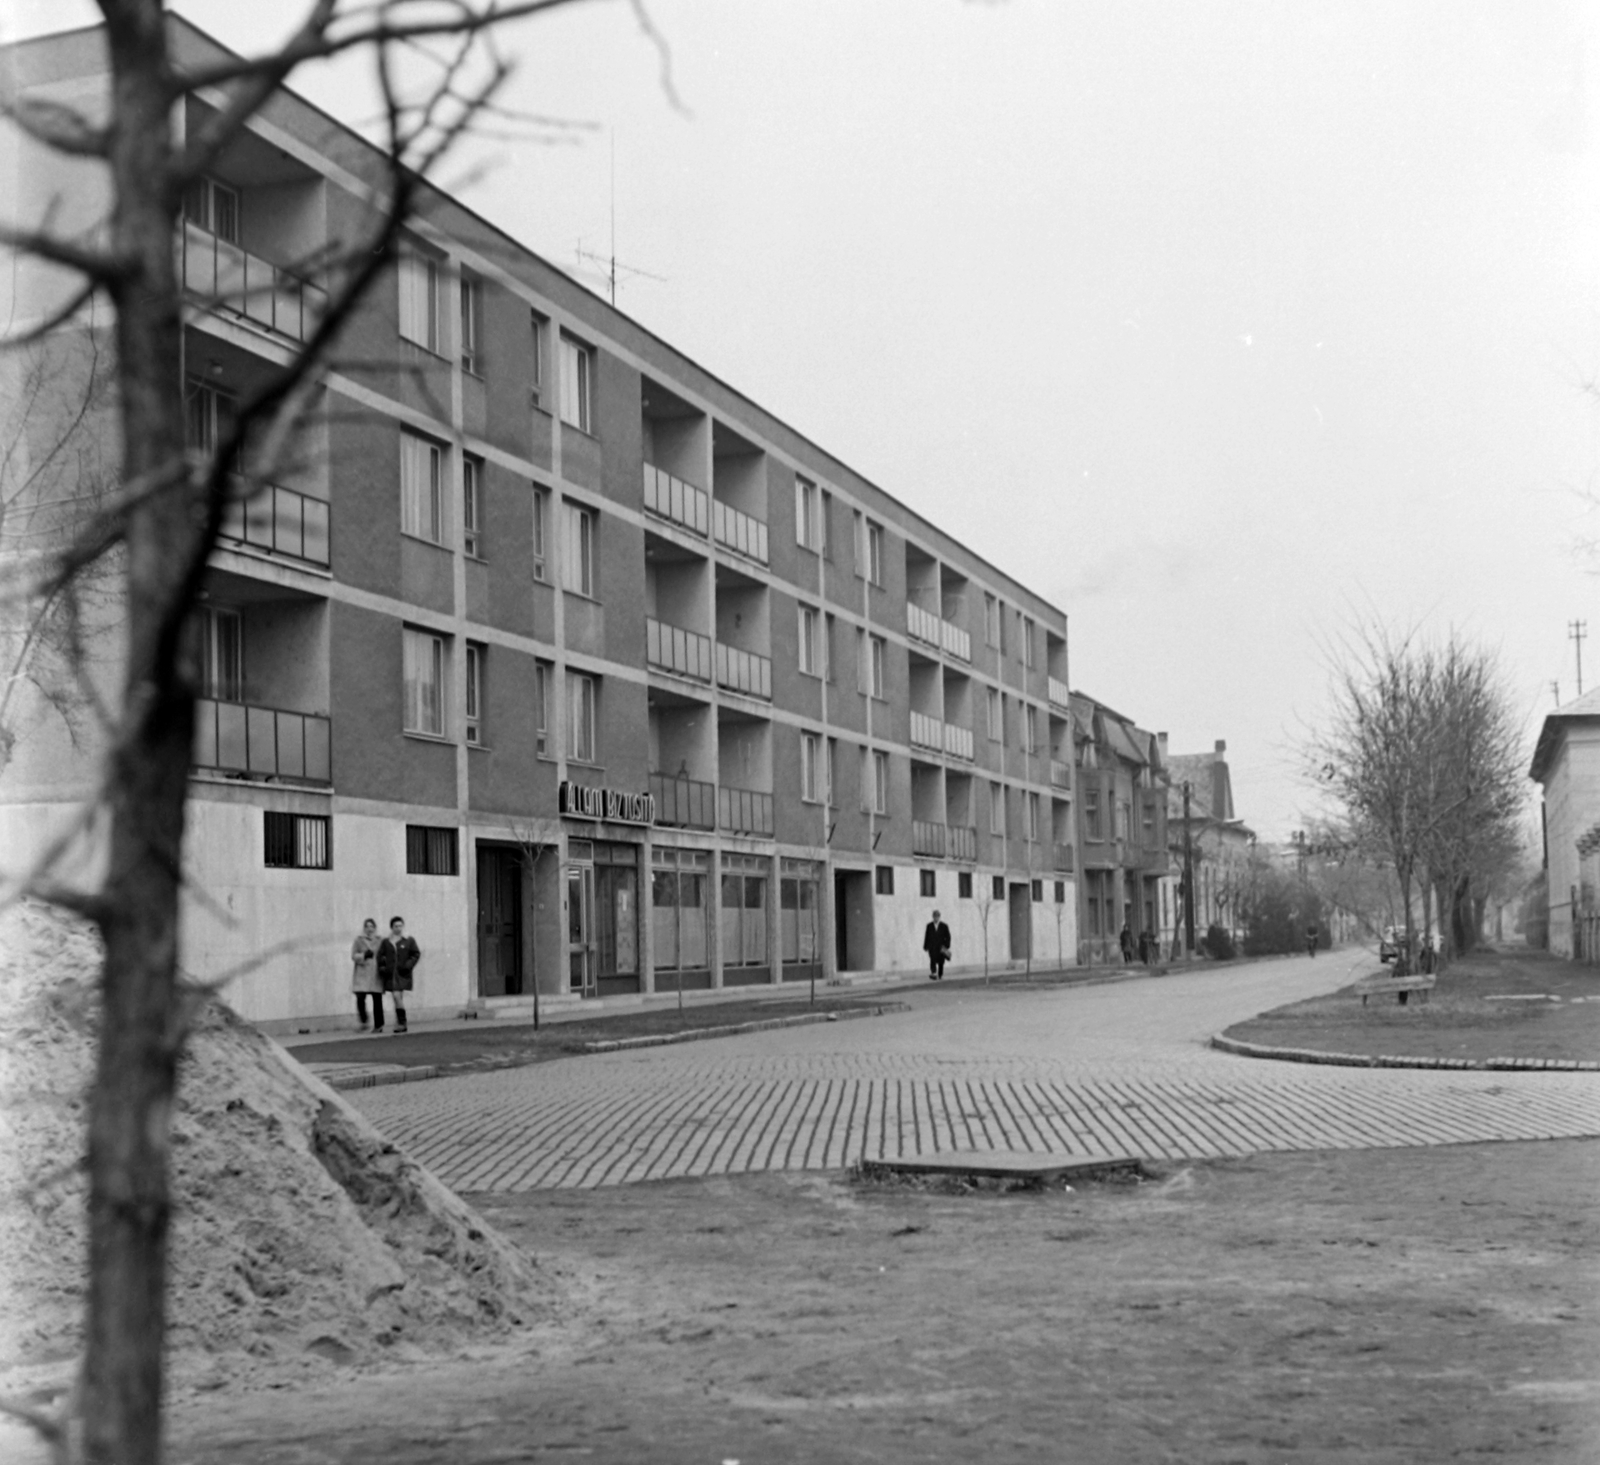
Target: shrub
[[1218, 943]]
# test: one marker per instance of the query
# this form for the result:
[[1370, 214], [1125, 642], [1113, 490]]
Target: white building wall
[[900, 920]]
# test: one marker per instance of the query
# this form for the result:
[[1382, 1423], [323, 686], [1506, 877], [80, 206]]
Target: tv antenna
[[1576, 631], [609, 261]]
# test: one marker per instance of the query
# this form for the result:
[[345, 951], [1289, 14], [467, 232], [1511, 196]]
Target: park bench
[[1402, 986]]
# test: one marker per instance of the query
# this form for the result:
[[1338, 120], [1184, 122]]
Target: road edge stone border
[[659, 1040], [1243, 1049]]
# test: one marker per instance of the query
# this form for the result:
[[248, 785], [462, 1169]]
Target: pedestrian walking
[[1144, 948], [1311, 940], [397, 960], [936, 942], [1127, 943], [364, 979], [1429, 955]]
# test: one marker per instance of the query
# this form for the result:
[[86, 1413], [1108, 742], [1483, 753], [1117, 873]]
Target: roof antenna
[[609, 261]]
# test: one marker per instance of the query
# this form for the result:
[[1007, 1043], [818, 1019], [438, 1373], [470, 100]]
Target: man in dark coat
[[398, 955], [936, 942], [1126, 940]]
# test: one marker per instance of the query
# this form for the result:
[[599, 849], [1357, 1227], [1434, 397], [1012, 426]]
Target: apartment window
[[807, 532], [580, 718], [1033, 816], [964, 884], [927, 882], [998, 886], [540, 329], [810, 760], [1124, 818], [472, 507], [577, 384], [830, 749], [210, 417], [1061, 893], [220, 634], [297, 841], [541, 708], [994, 624], [1027, 641], [872, 551], [580, 550], [808, 641], [1091, 813], [431, 850], [997, 716], [827, 648], [883, 879], [1036, 890], [424, 658], [875, 665], [541, 522], [824, 515], [1149, 824], [997, 808], [474, 718], [880, 783], [420, 461], [1030, 729], [214, 207], [419, 300], [471, 324]]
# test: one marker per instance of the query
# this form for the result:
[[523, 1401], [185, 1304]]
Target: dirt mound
[[299, 1232]]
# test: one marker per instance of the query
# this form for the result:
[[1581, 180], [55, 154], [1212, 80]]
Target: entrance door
[[580, 929], [499, 921], [1021, 921], [841, 924]]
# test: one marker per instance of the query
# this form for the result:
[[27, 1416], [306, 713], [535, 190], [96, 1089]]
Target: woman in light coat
[[364, 980]]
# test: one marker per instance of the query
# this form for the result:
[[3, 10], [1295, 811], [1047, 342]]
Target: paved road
[[1101, 1070]]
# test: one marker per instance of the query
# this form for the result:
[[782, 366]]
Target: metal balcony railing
[[672, 498], [229, 276], [1060, 774], [1059, 695], [927, 732], [281, 521], [928, 839], [671, 648], [744, 811], [957, 640], [744, 671], [963, 842], [262, 742], [923, 625], [958, 741], [739, 531], [683, 802], [1061, 857]]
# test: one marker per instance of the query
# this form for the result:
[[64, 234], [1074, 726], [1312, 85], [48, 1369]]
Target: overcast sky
[[1220, 325]]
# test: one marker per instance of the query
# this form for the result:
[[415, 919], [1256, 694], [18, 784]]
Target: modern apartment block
[[603, 676]]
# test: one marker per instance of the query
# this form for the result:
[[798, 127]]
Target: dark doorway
[[1021, 921], [499, 921], [852, 920]]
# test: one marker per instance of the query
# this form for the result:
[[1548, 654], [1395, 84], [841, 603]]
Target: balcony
[[1059, 695], [684, 803], [744, 811], [280, 521], [957, 640], [673, 499], [923, 625], [927, 732], [229, 276], [1060, 774], [261, 742], [739, 531], [928, 838], [958, 741], [1061, 858], [963, 842], [671, 648], [744, 671]]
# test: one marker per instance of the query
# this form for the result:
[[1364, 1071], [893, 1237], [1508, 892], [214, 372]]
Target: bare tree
[[538, 840], [154, 531]]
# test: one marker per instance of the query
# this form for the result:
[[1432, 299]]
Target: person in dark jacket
[[1126, 940], [936, 942], [397, 960]]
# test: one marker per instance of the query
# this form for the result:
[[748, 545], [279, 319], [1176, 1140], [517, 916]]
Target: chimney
[[1222, 746]]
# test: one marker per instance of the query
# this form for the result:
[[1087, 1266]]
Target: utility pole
[[1188, 876], [1576, 631]]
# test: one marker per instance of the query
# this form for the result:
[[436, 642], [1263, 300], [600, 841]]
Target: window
[[880, 783], [1061, 892], [997, 808], [997, 717], [808, 641], [883, 879], [1124, 818], [430, 850], [541, 521], [800, 911], [297, 841], [541, 335], [827, 648], [679, 900], [744, 910], [220, 637], [214, 207], [472, 507], [829, 751], [474, 718], [1033, 816], [824, 515], [1091, 813], [424, 682], [1030, 730], [807, 532], [211, 416], [471, 318], [541, 708], [580, 720], [927, 882], [1148, 823], [1036, 889], [870, 550], [999, 887], [1027, 641], [419, 300], [964, 884], [810, 759], [994, 625], [580, 550], [419, 487], [875, 665], [577, 386]]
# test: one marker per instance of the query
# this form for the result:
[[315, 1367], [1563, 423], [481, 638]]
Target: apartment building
[[549, 640], [1219, 846]]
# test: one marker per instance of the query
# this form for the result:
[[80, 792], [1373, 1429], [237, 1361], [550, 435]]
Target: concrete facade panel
[[364, 470]]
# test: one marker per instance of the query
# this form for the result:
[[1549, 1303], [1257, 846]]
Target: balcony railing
[[684, 803], [963, 842], [923, 625], [928, 838], [1060, 774], [927, 732], [671, 648], [280, 520], [672, 498], [958, 741], [1059, 695], [262, 742], [744, 671], [739, 531], [230, 276], [744, 811], [957, 640], [1061, 857]]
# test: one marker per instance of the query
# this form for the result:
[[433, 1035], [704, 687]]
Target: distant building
[[1566, 763], [1219, 841]]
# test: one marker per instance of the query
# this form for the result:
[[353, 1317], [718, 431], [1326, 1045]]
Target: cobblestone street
[[1121, 1068]]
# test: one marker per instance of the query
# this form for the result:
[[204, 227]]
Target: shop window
[[678, 904], [799, 912], [744, 911]]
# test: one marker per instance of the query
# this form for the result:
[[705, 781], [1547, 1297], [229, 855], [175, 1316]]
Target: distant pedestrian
[[936, 942], [364, 979], [1126, 938], [1144, 947], [1429, 955], [397, 960], [1311, 940]]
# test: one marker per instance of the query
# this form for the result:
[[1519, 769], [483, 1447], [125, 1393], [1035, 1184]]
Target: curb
[[376, 1080], [660, 1040], [1242, 1049]]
